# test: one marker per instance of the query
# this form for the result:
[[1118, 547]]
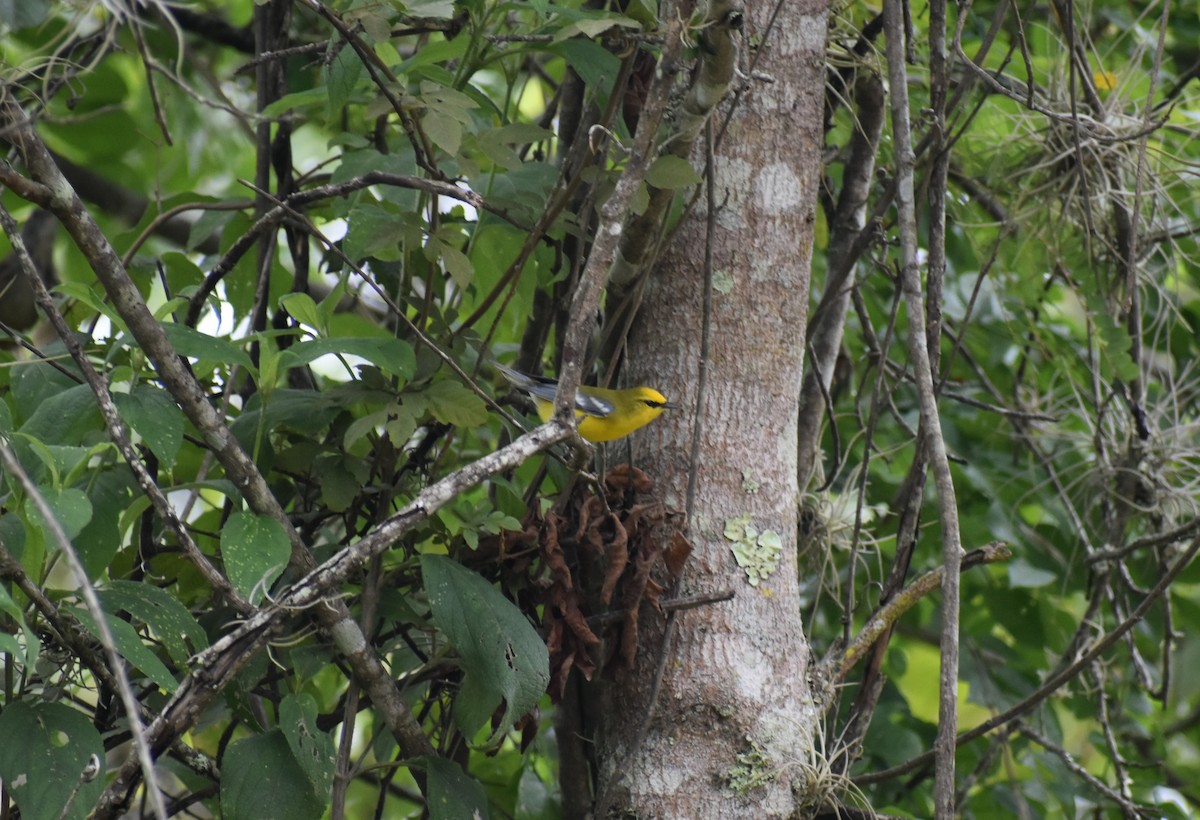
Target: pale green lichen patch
[[756, 553], [752, 769]]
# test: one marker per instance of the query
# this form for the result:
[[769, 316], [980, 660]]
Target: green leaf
[[445, 131], [339, 486], [374, 231], [1022, 574], [434, 9], [43, 759], [65, 417], [344, 73], [156, 418], [595, 26], [302, 411], [169, 621], [16, 15], [670, 172], [313, 749], [110, 494], [504, 658], [70, 507], [391, 355], [131, 647], [597, 66], [204, 348], [91, 297], [260, 777], [256, 551], [25, 654], [300, 99], [453, 794], [456, 262], [452, 403], [303, 309], [534, 800]]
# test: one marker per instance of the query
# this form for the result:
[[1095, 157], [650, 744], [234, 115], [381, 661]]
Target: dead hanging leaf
[[620, 477], [569, 639], [552, 553], [574, 618], [618, 558], [591, 508]]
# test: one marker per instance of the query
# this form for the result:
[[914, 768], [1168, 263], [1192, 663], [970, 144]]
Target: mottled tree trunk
[[735, 677]]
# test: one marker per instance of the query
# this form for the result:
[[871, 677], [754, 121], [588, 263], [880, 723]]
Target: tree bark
[[733, 720]]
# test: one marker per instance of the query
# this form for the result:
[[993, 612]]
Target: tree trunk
[[733, 722]]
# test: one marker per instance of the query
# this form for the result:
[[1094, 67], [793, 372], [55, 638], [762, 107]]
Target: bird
[[601, 414]]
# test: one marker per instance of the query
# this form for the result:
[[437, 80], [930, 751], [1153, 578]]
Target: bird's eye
[[653, 403]]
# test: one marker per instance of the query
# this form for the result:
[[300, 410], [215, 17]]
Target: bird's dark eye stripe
[[653, 403]]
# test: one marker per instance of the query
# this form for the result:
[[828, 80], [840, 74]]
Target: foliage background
[[345, 337]]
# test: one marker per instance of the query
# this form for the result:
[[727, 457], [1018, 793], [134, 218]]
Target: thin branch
[[886, 618], [934, 445]]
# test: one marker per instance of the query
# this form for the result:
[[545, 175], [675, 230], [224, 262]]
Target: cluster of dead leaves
[[601, 556]]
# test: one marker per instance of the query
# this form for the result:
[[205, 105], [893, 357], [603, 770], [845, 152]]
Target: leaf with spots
[[505, 661]]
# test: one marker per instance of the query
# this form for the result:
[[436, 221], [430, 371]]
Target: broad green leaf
[[516, 133], [391, 355], [374, 231], [435, 9], [456, 262], [504, 658], [670, 172], [453, 794], [183, 275], [339, 485], [313, 749], [594, 27], [452, 403], [344, 72], [132, 648], [169, 621], [443, 130], [303, 309], [255, 550], [596, 65], [110, 493], [92, 297], [156, 418], [44, 757], [209, 225], [71, 510], [298, 411], [65, 417], [260, 777], [200, 346], [300, 99]]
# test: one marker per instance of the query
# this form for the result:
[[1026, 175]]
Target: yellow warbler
[[602, 414]]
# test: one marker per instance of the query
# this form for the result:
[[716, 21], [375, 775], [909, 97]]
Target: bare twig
[[886, 618], [935, 446]]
